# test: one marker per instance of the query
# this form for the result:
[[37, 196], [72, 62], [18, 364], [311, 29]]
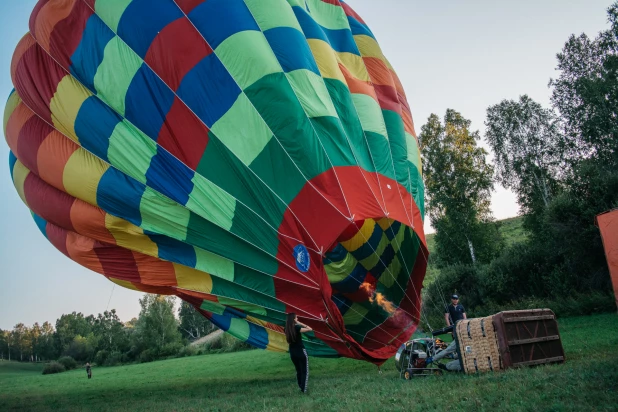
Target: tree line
[[560, 161], [160, 331]]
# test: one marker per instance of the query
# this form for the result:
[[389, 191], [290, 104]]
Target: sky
[[464, 55]]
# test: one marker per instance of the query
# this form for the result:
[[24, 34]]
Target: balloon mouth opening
[[369, 267]]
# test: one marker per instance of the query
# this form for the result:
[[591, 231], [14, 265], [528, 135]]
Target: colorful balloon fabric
[[253, 158]]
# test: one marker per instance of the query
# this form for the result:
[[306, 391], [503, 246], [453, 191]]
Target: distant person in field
[[88, 370], [454, 312], [298, 354]]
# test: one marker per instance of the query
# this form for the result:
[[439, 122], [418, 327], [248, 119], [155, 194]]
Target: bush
[[132, 354], [114, 358], [125, 358], [81, 348], [53, 367], [170, 350], [188, 351], [101, 357], [68, 362], [147, 356]]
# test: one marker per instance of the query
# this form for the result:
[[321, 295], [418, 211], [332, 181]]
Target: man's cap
[[455, 297]]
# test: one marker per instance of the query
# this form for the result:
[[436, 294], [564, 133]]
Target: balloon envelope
[[253, 158]]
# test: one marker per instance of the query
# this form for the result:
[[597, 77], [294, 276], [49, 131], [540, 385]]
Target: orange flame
[[385, 304], [378, 298], [367, 288]]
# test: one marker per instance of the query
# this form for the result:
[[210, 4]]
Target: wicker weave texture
[[478, 345]]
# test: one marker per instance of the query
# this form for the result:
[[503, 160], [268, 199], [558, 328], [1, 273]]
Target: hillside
[[511, 229]]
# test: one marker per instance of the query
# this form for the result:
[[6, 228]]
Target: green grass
[[512, 231], [264, 381]]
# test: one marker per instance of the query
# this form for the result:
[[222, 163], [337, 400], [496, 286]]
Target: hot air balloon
[[253, 158]]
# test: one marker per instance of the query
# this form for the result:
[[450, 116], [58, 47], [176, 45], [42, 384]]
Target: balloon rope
[[400, 195], [395, 279], [113, 166], [266, 124], [318, 136], [110, 297]]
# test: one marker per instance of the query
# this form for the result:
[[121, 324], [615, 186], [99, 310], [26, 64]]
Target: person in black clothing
[[88, 370], [298, 354], [454, 312]]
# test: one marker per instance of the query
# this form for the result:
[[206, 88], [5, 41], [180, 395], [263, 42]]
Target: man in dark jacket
[[454, 312]]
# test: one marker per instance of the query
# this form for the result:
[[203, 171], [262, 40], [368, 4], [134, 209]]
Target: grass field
[[263, 381]]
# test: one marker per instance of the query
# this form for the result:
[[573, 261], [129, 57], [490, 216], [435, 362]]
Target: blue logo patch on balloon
[[301, 256]]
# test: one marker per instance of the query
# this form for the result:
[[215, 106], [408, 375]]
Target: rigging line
[[310, 316], [231, 151], [365, 139], [259, 114], [423, 306], [376, 326], [351, 307], [438, 282], [389, 271], [130, 247], [257, 321], [201, 121], [363, 338], [200, 292], [390, 153], [161, 194], [277, 139], [211, 274], [110, 296], [412, 202], [400, 252], [410, 280], [433, 302], [437, 278], [386, 267], [313, 127]]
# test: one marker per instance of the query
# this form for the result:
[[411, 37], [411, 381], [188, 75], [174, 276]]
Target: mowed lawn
[[263, 381]]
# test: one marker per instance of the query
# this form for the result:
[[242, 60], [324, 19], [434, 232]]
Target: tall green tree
[[110, 331], [82, 348], [530, 151], [156, 326], [35, 337], [192, 324], [458, 181], [5, 344], [586, 91], [586, 95], [68, 326], [45, 347], [21, 340]]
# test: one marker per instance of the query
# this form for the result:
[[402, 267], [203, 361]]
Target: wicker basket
[[477, 345], [509, 339]]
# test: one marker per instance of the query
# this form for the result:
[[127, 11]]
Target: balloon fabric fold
[[253, 158]]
